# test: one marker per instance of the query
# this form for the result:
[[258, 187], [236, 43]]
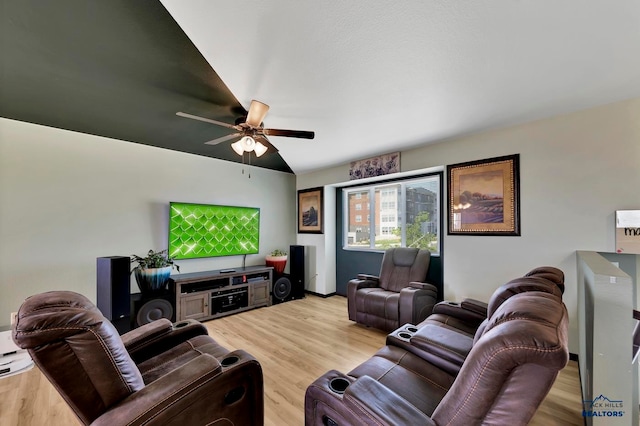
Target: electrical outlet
[[13, 317]]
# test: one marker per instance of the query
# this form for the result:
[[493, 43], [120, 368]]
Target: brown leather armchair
[[446, 341], [505, 377], [398, 295], [160, 373], [467, 315]]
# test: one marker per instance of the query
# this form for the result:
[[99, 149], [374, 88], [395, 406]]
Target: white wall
[[67, 198], [576, 170]]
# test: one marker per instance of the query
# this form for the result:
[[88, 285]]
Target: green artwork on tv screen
[[204, 230]]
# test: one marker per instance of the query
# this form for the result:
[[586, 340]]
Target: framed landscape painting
[[310, 211], [484, 197]]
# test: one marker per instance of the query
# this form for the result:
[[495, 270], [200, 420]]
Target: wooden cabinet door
[[195, 306], [260, 294]]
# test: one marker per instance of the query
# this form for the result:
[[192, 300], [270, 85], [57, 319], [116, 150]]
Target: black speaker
[[296, 270], [114, 286], [290, 286], [150, 307], [281, 288]]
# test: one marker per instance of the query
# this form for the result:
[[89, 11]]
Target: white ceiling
[[373, 76]]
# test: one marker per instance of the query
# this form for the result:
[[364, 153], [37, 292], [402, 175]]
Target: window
[[402, 214]]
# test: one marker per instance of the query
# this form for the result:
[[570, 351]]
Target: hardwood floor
[[295, 342]]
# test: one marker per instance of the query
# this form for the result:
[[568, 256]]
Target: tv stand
[[213, 294]]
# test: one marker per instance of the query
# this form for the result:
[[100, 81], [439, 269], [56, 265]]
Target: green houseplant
[[277, 259], [152, 271]]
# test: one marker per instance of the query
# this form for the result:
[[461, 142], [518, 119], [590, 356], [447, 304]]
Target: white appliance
[[13, 360]]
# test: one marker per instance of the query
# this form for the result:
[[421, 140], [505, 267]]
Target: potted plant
[[277, 259], [153, 271]]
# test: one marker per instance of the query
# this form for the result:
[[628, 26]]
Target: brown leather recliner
[[398, 295], [505, 377], [445, 343], [467, 315], [160, 373]]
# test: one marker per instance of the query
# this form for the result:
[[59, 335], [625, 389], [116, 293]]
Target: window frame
[[371, 187]]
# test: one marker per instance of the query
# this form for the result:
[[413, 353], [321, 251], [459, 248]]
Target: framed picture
[[484, 197], [310, 211], [375, 166]]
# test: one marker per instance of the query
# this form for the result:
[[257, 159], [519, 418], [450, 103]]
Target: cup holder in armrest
[[338, 385], [230, 360], [405, 335], [412, 329], [181, 324]]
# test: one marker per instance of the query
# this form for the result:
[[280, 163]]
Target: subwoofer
[[281, 288], [290, 286], [113, 289], [150, 307]]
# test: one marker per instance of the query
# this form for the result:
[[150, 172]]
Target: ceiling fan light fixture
[[237, 147], [248, 143], [260, 149]]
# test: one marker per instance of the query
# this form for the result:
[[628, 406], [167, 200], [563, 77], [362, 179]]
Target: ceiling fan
[[251, 131]]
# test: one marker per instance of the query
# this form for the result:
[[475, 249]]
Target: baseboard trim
[[573, 357], [324, 296]]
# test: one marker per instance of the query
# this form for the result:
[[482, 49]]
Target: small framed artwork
[[310, 211], [375, 166], [484, 197]]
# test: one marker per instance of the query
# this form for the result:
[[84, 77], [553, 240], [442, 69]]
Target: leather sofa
[[160, 373], [447, 344], [398, 295], [467, 315], [509, 368]]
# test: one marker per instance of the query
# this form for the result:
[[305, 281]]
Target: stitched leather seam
[[486, 365], [113, 361], [362, 408], [438, 344], [177, 391], [397, 363], [324, 390], [169, 404], [56, 305], [158, 366], [100, 340]]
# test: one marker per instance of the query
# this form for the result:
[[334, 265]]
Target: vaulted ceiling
[[369, 77]]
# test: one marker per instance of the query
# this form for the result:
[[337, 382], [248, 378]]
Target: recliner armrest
[[446, 344], [368, 399], [157, 336], [475, 306], [368, 277], [416, 302], [198, 389], [146, 332], [470, 312], [424, 286]]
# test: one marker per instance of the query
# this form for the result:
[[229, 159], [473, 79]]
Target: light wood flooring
[[295, 342]]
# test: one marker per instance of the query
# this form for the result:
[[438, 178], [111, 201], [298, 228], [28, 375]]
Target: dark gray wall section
[[114, 68]]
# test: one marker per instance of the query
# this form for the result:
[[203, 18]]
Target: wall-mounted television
[[206, 230]]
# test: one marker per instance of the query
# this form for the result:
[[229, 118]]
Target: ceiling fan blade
[[257, 111], [289, 133], [207, 120], [223, 139], [265, 142]]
